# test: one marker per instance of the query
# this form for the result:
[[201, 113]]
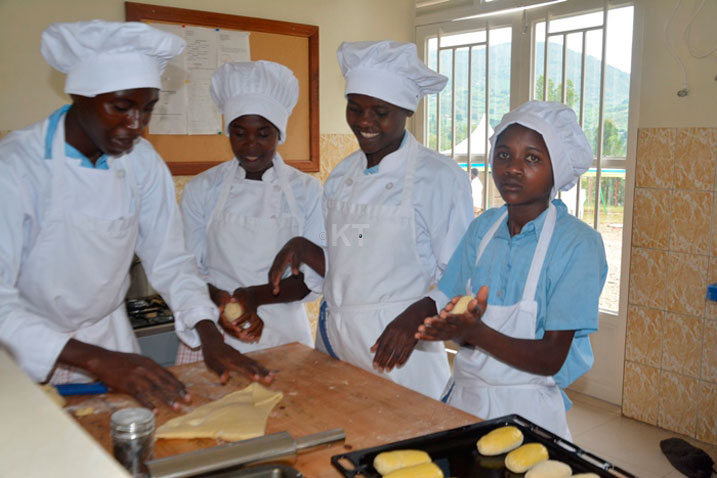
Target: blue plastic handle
[[69, 389]]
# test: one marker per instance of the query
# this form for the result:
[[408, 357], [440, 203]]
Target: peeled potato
[[462, 305], [389, 461], [500, 440], [550, 469], [233, 310], [424, 470], [526, 457]]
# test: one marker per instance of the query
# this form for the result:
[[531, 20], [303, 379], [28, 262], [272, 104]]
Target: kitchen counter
[[320, 393]]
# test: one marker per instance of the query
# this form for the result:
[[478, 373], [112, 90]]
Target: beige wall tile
[[655, 157], [179, 183], [678, 403], [334, 148], [690, 226], [648, 277], [640, 397], [707, 413], [694, 159], [686, 279], [651, 218], [709, 351], [711, 307], [644, 335], [682, 344]]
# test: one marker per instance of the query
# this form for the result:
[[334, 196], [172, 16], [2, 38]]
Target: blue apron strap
[[322, 329], [447, 394]]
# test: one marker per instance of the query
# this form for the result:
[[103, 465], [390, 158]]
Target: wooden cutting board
[[320, 394]]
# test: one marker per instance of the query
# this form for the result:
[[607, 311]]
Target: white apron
[[77, 272], [374, 273], [240, 250], [489, 388]]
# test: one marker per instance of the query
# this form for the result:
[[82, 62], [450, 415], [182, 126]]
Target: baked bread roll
[[389, 461], [500, 440], [424, 470], [550, 469], [526, 457]]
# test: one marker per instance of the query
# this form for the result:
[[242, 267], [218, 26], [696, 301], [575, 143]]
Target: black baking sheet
[[455, 452]]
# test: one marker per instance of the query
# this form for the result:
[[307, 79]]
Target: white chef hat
[[261, 88], [570, 152], [100, 57], [388, 70]]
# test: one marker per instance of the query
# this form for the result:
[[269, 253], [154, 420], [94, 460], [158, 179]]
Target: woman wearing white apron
[[394, 212], [80, 193], [239, 214], [538, 273]]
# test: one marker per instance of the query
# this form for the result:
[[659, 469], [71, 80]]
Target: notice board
[[294, 45]]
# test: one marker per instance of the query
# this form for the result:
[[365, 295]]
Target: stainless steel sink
[[263, 471]]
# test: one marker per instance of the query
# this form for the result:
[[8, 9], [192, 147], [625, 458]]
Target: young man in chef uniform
[[237, 215], [393, 212], [80, 193]]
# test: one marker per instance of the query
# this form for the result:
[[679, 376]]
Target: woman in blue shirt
[[537, 271]]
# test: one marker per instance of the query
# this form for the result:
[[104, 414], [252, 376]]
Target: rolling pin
[[277, 446]]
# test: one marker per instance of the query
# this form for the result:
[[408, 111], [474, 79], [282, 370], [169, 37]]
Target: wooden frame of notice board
[[294, 45]]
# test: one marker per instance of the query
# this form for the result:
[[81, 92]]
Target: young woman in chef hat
[[394, 212], [237, 215], [537, 271], [80, 193]]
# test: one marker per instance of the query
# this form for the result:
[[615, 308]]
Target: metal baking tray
[[264, 471], [454, 451]]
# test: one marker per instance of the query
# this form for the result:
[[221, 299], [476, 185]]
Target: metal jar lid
[[136, 421]]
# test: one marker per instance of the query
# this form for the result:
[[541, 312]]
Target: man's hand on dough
[[223, 359], [133, 374]]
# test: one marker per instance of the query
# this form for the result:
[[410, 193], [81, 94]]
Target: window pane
[[611, 204], [555, 69], [446, 113], [463, 38], [573, 23], [539, 56], [431, 101], [574, 71], [593, 48], [500, 50], [617, 82]]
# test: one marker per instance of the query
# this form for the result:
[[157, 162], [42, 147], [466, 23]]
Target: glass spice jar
[[132, 432]]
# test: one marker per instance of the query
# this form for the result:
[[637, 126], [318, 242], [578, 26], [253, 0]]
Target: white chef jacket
[[25, 189], [202, 192], [441, 199]]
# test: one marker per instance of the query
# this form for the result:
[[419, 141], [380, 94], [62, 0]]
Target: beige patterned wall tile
[[711, 307], [179, 183], [707, 413], [682, 344], [655, 157], [709, 351], [334, 148], [644, 335], [312, 311], [651, 218], [648, 277], [640, 397], [694, 159], [678, 403], [714, 226], [686, 278], [691, 222]]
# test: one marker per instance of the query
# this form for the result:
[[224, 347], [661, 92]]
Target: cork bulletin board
[[294, 45]]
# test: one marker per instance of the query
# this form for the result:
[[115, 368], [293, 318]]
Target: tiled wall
[[332, 148], [671, 347]]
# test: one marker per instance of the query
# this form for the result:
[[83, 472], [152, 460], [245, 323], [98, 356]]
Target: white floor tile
[[599, 428]]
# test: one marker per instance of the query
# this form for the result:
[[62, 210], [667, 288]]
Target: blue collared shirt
[[70, 150], [569, 286]]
